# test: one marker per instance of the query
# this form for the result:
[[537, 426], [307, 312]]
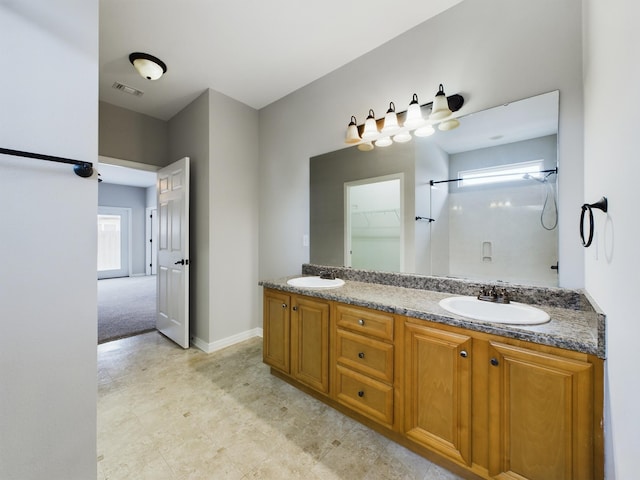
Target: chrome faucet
[[491, 294]]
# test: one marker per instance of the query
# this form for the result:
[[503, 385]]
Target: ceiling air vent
[[127, 89]]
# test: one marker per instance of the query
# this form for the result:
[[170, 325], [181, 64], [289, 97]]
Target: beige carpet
[[126, 307]]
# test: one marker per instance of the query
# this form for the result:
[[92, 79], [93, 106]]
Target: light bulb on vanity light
[[353, 136], [449, 124], [402, 137], [414, 114], [370, 127], [384, 142], [440, 109], [424, 131], [390, 121]]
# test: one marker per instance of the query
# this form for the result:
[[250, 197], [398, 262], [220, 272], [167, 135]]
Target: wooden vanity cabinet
[[364, 362], [296, 337], [541, 415], [437, 390], [482, 405], [310, 342], [276, 328]]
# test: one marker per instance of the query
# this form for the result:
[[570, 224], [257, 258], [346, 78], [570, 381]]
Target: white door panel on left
[[173, 252]]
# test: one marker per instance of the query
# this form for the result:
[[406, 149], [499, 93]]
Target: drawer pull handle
[[464, 354], [361, 322], [361, 355], [361, 393], [494, 362]]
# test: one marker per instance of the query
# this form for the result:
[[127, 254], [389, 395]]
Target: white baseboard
[[225, 342]]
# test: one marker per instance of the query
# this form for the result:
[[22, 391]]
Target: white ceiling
[[255, 51]]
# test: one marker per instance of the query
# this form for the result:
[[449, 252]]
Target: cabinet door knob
[[284, 305], [464, 354], [361, 355], [494, 362], [295, 309], [360, 322], [361, 393]]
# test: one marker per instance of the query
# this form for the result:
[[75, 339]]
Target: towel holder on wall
[[601, 204], [81, 168]]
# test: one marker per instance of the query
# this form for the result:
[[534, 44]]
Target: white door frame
[[151, 240]]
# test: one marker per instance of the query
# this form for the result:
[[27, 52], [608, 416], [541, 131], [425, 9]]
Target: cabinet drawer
[[366, 396], [363, 320], [366, 355]]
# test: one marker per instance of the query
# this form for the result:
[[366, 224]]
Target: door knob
[[182, 262]]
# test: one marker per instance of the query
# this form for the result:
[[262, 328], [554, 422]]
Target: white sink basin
[[513, 313], [315, 282]]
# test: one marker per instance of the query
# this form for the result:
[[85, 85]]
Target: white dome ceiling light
[[148, 66]]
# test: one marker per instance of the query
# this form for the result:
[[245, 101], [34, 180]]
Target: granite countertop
[[580, 330]]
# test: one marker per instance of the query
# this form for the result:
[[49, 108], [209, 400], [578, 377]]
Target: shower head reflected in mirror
[[528, 176]]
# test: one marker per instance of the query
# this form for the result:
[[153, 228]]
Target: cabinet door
[[276, 325], [438, 390], [310, 342], [540, 415]]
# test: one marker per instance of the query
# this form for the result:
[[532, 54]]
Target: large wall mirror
[[478, 202]]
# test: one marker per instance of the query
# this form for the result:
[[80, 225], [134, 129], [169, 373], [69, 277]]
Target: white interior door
[[114, 242], [173, 252]]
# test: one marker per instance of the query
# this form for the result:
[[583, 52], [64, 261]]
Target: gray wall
[[128, 135], [233, 224], [612, 169], [110, 195], [495, 55], [48, 292], [328, 174], [189, 137]]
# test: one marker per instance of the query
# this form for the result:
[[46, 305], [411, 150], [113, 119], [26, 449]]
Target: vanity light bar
[[382, 133]]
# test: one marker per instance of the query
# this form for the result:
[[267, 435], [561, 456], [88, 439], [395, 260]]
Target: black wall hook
[[601, 204]]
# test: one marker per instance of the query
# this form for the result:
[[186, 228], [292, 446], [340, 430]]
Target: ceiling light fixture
[[148, 66], [397, 127]]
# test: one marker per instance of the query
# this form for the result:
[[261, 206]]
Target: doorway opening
[[374, 223], [127, 287]]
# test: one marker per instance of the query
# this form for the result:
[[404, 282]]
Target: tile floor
[[168, 413]]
